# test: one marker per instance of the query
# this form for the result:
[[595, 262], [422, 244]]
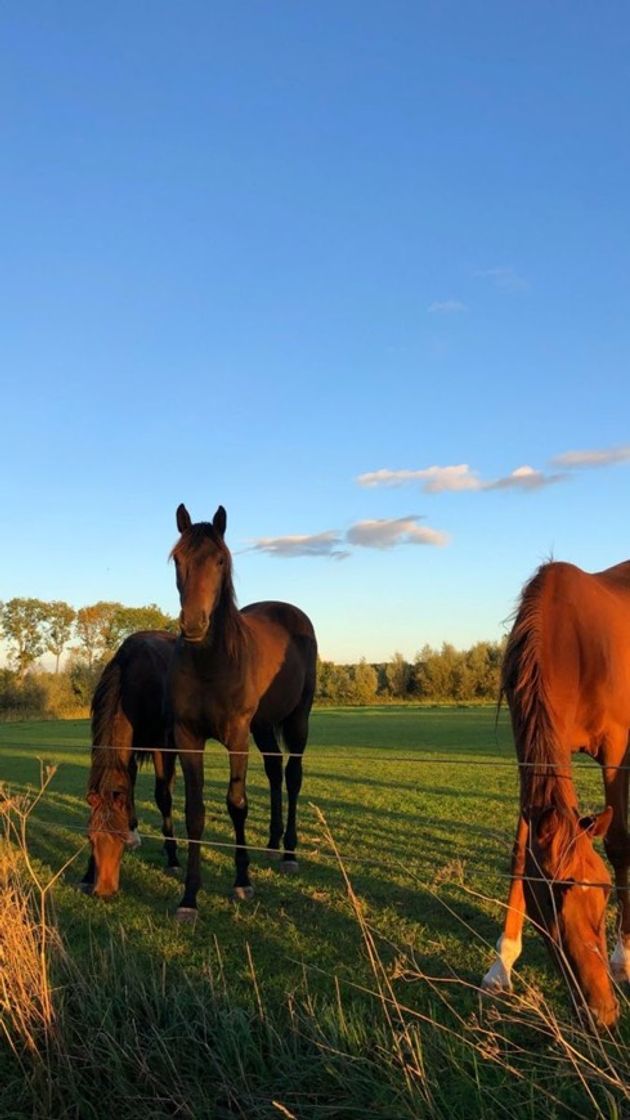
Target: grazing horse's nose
[[193, 625]]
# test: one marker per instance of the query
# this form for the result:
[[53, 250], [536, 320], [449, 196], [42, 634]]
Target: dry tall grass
[[179, 1044]]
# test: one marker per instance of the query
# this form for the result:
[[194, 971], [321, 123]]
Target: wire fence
[[317, 755], [348, 756]]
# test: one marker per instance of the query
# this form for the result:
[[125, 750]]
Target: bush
[[21, 700]]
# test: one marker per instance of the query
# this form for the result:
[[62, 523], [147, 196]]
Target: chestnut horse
[[128, 724], [234, 671], [566, 675]]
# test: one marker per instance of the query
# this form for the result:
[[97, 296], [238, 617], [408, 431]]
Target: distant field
[[422, 805]]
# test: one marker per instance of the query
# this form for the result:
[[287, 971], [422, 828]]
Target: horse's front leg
[[498, 978], [617, 846], [238, 746], [190, 750]]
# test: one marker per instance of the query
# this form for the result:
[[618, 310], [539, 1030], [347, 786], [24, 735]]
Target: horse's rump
[[128, 706], [293, 684], [566, 670]]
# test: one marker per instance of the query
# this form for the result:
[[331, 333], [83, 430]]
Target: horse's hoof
[[273, 853], [133, 839], [620, 963], [187, 915], [620, 971], [85, 888], [289, 866], [242, 894], [174, 872], [497, 980]]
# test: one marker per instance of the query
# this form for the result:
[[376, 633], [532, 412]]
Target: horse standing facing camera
[[235, 671]]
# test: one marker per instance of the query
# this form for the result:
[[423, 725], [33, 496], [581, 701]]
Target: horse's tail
[[544, 769]]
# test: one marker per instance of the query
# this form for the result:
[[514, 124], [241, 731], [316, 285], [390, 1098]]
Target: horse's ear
[[599, 823], [219, 521], [183, 518]]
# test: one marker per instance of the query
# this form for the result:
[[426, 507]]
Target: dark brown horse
[[566, 675], [235, 671], [128, 724]]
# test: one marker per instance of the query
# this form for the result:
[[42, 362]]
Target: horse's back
[[286, 615]]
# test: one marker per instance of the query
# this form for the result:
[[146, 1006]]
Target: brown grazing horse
[[566, 675], [128, 718], [235, 671]]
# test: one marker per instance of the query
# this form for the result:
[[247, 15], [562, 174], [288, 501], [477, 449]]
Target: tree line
[[92, 634], [434, 676], [89, 636]]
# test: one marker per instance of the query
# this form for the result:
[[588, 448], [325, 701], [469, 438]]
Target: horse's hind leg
[[295, 734], [498, 976], [265, 740], [132, 770], [164, 762]]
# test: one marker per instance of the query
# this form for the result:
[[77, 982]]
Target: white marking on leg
[[498, 978], [133, 838], [620, 959]]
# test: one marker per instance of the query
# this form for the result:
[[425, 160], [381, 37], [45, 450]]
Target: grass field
[[310, 1002]]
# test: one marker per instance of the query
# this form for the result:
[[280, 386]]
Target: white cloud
[[390, 532], [317, 544], [504, 277], [446, 307], [437, 480], [597, 458]]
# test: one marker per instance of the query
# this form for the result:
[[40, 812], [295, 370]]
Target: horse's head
[[566, 889], [109, 832], [202, 568]]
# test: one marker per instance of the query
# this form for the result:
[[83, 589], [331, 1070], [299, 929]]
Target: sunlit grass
[[421, 805]]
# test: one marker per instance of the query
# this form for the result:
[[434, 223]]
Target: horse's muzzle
[[193, 630]]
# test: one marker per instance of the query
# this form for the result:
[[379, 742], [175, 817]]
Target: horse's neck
[[226, 633]]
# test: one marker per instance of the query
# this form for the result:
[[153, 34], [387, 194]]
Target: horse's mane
[[227, 611], [103, 712], [543, 775]]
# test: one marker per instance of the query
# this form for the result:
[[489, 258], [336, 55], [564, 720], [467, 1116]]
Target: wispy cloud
[[604, 457], [381, 534], [446, 307], [317, 544], [504, 277], [434, 479], [523, 478], [437, 480], [390, 532]]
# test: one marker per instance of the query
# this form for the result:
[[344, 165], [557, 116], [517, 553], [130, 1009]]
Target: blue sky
[[253, 252]]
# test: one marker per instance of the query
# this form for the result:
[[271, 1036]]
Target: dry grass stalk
[[26, 933]]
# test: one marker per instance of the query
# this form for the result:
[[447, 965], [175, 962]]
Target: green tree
[[102, 626], [129, 620], [21, 623], [365, 682], [398, 673], [90, 626], [58, 620]]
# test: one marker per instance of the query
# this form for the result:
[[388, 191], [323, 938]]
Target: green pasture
[[421, 804]]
